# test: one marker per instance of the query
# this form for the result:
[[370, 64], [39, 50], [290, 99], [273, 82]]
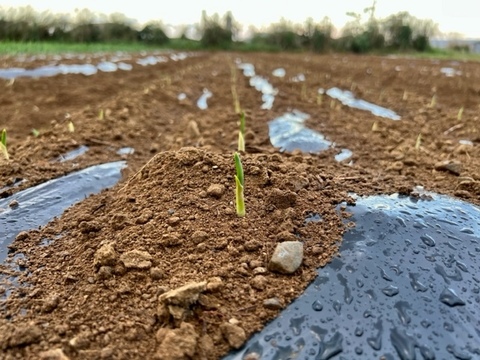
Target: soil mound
[[164, 260]]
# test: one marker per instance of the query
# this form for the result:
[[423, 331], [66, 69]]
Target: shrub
[[153, 34], [214, 35], [421, 43]]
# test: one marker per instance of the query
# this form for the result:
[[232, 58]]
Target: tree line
[[397, 32]]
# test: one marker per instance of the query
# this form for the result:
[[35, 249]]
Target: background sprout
[[239, 184], [35, 132], [433, 102], [418, 142], [236, 102], [71, 127], [3, 144], [303, 92], [460, 113], [241, 133], [320, 93], [233, 78]]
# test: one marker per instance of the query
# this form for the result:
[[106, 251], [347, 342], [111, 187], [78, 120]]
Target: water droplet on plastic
[[371, 294], [375, 341], [462, 266], [450, 297], [402, 307], [337, 306], [428, 240], [358, 331], [329, 349], [296, 325], [367, 314], [417, 285], [384, 275], [425, 323], [447, 326], [390, 290], [347, 293], [401, 221], [427, 353], [403, 343], [317, 305], [461, 355]]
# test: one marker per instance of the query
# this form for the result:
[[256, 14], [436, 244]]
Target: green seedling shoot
[[433, 102], [320, 96], [303, 92], [101, 115], [239, 184], [241, 133], [418, 142], [35, 132], [460, 114], [71, 127], [236, 102], [3, 144]]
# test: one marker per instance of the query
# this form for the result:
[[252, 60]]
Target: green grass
[[15, 48]]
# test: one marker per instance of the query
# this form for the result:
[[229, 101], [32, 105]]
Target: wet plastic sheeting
[[268, 91], [347, 98], [202, 100], [40, 204], [289, 133], [107, 66], [85, 69], [72, 154], [450, 72], [48, 70], [280, 72], [406, 286], [343, 155], [152, 60], [248, 69], [126, 151]]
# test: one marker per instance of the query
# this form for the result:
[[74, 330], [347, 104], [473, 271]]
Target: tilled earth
[[160, 266]]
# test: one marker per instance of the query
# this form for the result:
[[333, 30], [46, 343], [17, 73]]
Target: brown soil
[[160, 266]]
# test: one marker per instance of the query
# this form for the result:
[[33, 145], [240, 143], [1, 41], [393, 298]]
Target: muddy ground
[[112, 283]]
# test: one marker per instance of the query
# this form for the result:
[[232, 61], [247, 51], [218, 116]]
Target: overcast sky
[[462, 16]]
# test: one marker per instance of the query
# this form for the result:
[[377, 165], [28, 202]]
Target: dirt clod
[[53, 354], [216, 190], [287, 257], [272, 303], [136, 259], [105, 256], [453, 167], [234, 334], [22, 335], [177, 344]]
